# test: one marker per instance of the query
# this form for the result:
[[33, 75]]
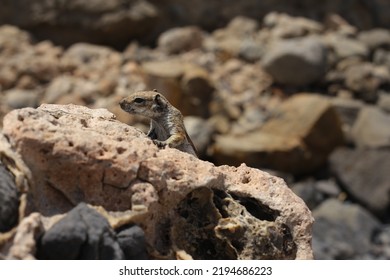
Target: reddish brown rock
[[81, 155]]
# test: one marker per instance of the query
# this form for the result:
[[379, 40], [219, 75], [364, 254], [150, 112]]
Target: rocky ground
[[305, 100]]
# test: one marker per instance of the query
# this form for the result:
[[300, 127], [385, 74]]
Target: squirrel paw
[[160, 144]]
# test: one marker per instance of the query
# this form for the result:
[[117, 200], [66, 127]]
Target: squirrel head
[[151, 104]]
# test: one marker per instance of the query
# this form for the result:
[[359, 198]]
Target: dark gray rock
[[297, 62], [315, 192], [365, 175], [372, 129], [132, 242], [9, 201], [381, 243], [342, 231], [82, 234]]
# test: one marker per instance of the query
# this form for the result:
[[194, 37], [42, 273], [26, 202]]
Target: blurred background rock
[[299, 89]]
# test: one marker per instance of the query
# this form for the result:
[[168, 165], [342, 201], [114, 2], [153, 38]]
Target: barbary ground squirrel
[[166, 125]]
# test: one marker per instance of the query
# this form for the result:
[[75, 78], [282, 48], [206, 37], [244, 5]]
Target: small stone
[[298, 62], [197, 92], [375, 38], [342, 231], [345, 47], [19, 98], [200, 132], [284, 26], [132, 242], [372, 129], [384, 101], [366, 79], [180, 39], [364, 174]]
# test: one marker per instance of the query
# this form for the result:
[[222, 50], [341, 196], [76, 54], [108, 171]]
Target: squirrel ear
[[159, 102]]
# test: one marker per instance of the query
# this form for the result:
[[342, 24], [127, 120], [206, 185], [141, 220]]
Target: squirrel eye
[[138, 100]]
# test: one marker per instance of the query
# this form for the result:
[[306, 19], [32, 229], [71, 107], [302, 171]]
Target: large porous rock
[[372, 129], [343, 231], [96, 21], [298, 61], [365, 176], [297, 139], [185, 206]]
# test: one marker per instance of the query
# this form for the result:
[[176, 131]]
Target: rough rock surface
[[365, 175], [180, 202], [297, 139]]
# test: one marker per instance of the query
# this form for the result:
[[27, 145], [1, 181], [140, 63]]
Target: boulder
[[202, 211], [297, 139], [364, 174], [297, 62]]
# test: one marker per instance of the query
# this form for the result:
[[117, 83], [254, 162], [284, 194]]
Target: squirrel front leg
[[173, 141]]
